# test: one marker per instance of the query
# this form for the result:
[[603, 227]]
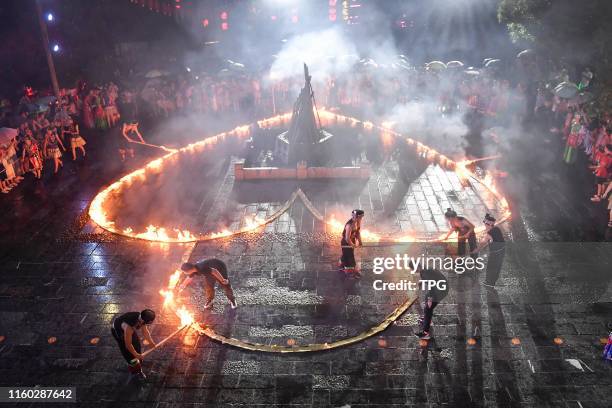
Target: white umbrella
[[566, 90], [7, 134], [492, 63], [156, 73], [436, 65], [454, 64]]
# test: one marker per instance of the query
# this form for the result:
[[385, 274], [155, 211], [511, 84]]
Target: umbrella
[[566, 90], [436, 65], [472, 72], [492, 63], [155, 73], [585, 97], [235, 65], [525, 53], [224, 73], [45, 100], [7, 134], [454, 64]]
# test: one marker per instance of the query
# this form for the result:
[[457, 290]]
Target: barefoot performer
[[464, 230], [213, 270], [351, 238], [123, 329]]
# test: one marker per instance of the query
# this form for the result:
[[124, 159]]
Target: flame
[[185, 315], [220, 234], [366, 234], [168, 297], [174, 278], [251, 223]]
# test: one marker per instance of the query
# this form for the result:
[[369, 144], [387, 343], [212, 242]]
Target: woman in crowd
[[89, 103], [51, 146], [75, 139], [30, 157], [110, 104]]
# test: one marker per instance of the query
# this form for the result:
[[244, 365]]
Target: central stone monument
[[305, 141], [305, 150]]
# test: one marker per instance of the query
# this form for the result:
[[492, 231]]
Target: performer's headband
[[489, 219]]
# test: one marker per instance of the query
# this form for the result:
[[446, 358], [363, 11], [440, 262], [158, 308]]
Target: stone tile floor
[[535, 342]]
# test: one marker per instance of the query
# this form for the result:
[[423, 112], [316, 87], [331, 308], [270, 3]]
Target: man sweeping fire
[[212, 270], [124, 329], [351, 239]]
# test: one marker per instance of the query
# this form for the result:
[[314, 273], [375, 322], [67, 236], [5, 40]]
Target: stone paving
[[533, 342]]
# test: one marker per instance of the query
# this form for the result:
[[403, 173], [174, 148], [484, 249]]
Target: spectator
[[31, 159], [603, 171]]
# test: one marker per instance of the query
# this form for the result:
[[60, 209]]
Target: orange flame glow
[[174, 278], [185, 315], [168, 297]]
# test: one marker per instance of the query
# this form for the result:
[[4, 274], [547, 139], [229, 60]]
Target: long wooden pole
[[45, 41], [164, 341]]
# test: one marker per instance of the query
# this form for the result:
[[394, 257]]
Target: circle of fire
[[98, 214]]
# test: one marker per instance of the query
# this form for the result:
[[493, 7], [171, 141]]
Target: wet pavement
[[536, 341]]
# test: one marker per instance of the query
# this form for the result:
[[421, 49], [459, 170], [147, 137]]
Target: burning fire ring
[[98, 214], [187, 319]]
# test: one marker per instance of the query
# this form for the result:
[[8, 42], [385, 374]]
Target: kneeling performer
[[213, 270]]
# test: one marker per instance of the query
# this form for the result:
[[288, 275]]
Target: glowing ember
[[185, 316]]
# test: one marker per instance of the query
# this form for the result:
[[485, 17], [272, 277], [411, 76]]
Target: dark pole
[[45, 40]]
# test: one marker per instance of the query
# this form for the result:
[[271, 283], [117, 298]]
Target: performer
[[351, 238], [51, 147], [494, 239], [123, 329], [75, 139], [433, 296], [464, 230], [213, 270], [124, 147]]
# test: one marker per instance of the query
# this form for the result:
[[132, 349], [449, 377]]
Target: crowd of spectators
[[485, 96]]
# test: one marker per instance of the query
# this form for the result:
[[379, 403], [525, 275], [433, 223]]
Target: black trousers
[[427, 315], [494, 264], [471, 239], [124, 351], [348, 255], [209, 289]]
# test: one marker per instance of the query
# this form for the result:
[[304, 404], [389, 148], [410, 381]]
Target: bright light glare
[[50, 17], [56, 48]]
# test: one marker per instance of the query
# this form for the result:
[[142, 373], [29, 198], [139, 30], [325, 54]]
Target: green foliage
[[519, 33], [574, 31]]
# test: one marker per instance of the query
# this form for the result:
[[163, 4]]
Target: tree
[[575, 32]]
